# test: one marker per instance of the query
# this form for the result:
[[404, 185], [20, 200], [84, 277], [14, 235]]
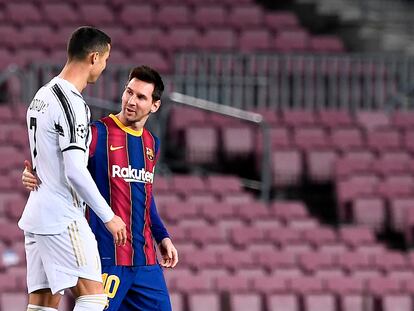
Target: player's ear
[[93, 57], [155, 106]]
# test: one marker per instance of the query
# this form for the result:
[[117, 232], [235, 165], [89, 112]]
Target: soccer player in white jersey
[[61, 249]]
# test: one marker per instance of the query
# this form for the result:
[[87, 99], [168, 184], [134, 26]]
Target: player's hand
[[29, 178], [169, 253], [118, 229]]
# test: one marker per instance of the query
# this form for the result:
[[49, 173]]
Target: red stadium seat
[[326, 43], [152, 58], [396, 186], [380, 286], [353, 163], [372, 120], [245, 16], [294, 40], [192, 283], [382, 140], [252, 211], [222, 184], [269, 284], [175, 212], [369, 211], [308, 138], [347, 138], [215, 212], [59, 14], [285, 236], [298, 118], [246, 235], [204, 302], [305, 285], [13, 301], [254, 40], [356, 235], [218, 39], [334, 118], [403, 119], [280, 20], [233, 284], [236, 259], [320, 235], [173, 15], [201, 144], [287, 210], [206, 234], [282, 302], [238, 142], [137, 14], [391, 302], [319, 302], [23, 13], [275, 259], [320, 164], [179, 38], [355, 302], [399, 208], [149, 38], [207, 16], [287, 167], [102, 14], [313, 261], [245, 302], [392, 163], [390, 261], [353, 260], [188, 184]]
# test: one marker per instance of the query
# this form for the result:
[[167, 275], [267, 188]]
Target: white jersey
[[57, 120]]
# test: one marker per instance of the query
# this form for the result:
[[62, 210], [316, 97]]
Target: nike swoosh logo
[[112, 148]]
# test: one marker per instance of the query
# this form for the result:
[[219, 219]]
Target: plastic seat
[[179, 38], [201, 144], [203, 302], [313, 261], [269, 284], [287, 167], [206, 234], [403, 119], [137, 14], [356, 235], [307, 138], [353, 260], [175, 212], [287, 210], [402, 302], [326, 43], [347, 138], [23, 13], [149, 38], [285, 236], [162, 184], [298, 118], [280, 20], [9, 36], [202, 198], [369, 211], [384, 140], [14, 301], [275, 259], [306, 285], [253, 40], [238, 198], [320, 164], [220, 39], [192, 283], [245, 302], [372, 120], [238, 142], [399, 208], [102, 14], [152, 58], [59, 14], [252, 211], [188, 184], [232, 284], [236, 259], [208, 16], [390, 261], [392, 163], [396, 186], [222, 184], [355, 302], [217, 211], [245, 16], [355, 163], [172, 15], [245, 236], [383, 285], [320, 302], [333, 118], [320, 235], [282, 302], [294, 40], [181, 117]]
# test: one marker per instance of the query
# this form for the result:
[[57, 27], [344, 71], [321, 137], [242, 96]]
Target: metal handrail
[[240, 114]]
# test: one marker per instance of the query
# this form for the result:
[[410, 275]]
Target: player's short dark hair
[[149, 75], [85, 40]]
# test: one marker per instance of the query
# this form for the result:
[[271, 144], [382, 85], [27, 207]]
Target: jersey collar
[[70, 86], [125, 128]]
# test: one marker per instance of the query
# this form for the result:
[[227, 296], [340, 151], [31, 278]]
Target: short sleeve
[[73, 124]]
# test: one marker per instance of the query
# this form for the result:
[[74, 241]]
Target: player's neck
[[136, 126], [75, 73]]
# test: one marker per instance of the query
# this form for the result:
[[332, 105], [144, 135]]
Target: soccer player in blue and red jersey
[[122, 158]]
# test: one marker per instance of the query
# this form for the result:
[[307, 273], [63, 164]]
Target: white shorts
[[57, 261]]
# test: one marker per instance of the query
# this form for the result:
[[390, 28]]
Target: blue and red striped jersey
[[122, 163]]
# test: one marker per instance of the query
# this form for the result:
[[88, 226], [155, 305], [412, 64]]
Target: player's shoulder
[[151, 134]]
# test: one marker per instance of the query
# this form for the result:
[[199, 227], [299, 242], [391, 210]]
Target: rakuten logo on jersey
[[130, 174]]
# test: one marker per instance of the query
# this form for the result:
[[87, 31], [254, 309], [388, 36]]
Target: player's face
[[99, 64], [137, 103]]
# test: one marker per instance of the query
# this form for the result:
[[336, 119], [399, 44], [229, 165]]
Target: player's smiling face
[[137, 103]]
